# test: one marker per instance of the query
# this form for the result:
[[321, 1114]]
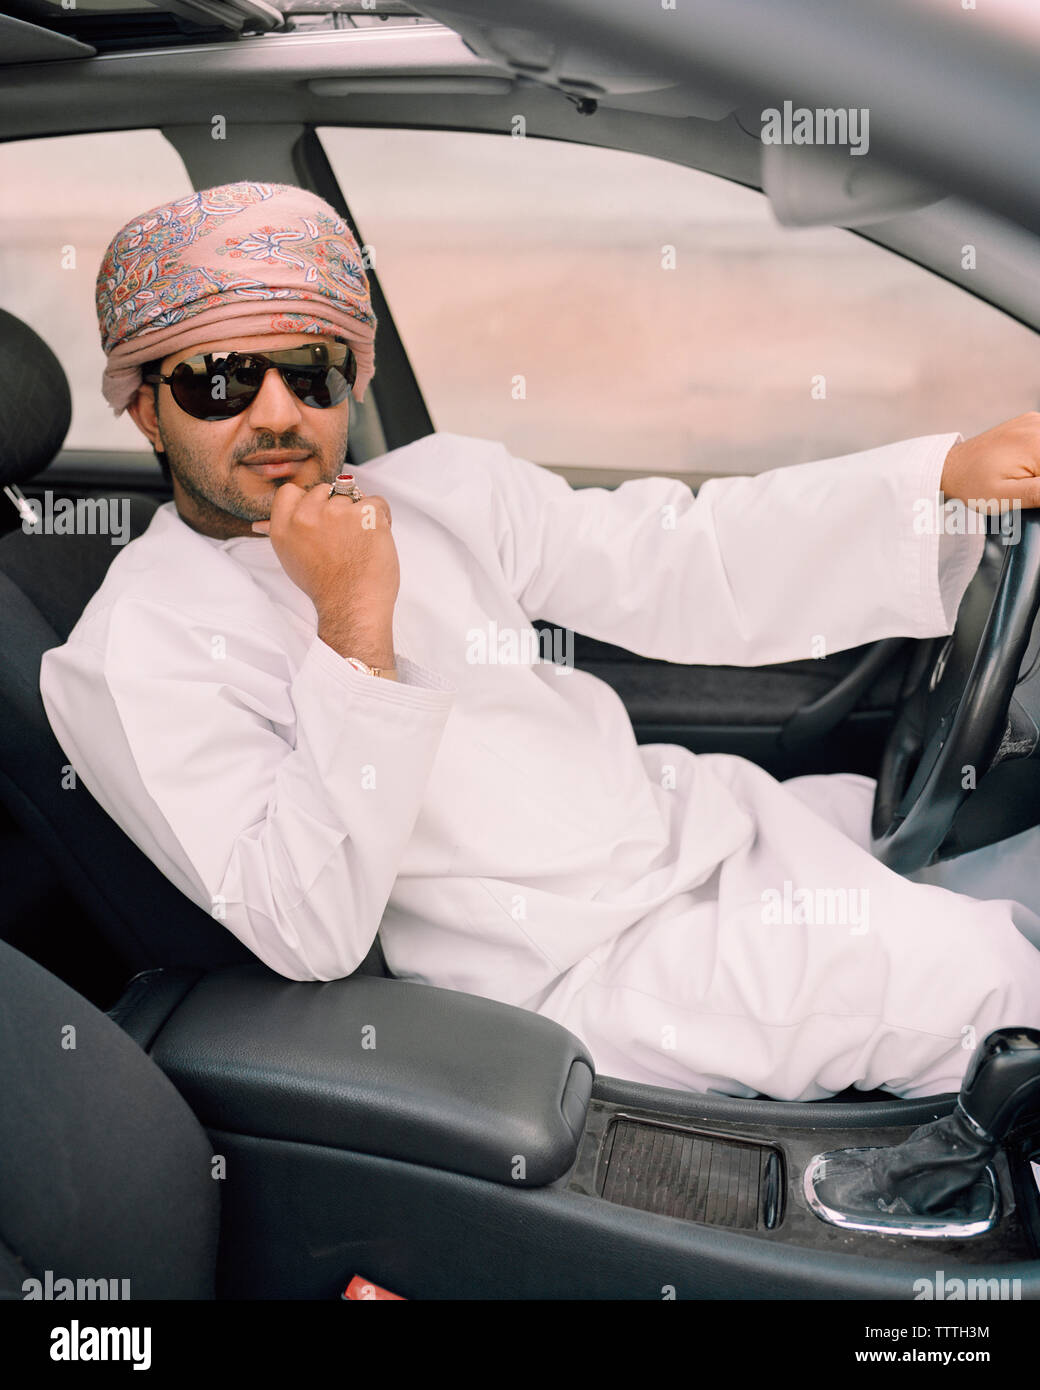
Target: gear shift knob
[[1002, 1078], [938, 1180]]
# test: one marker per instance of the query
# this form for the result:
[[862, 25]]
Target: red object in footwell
[[359, 1288]]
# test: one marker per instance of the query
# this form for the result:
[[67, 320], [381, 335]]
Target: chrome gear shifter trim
[[828, 1169]]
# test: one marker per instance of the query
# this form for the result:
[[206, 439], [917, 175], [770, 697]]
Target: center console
[[751, 1174], [448, 1146]]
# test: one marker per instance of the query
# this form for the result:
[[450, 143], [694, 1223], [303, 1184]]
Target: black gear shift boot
[[936, 1168], [938, 1181], [938, 1176]]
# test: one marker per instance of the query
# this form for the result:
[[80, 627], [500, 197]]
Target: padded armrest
[[388, 1067]]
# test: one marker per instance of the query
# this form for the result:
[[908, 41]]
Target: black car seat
[[107, 1173], [45, 583]]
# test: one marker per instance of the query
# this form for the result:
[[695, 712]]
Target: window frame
[[410, 418]]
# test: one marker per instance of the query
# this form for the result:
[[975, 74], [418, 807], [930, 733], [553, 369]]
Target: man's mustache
[[269, 444]]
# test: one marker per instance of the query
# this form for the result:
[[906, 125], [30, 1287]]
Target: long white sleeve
[[285, 804], [795, 562]]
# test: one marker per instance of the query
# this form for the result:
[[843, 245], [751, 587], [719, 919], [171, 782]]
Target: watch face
[[359, 665]]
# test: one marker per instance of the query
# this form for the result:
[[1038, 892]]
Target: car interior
[[478, 1154]]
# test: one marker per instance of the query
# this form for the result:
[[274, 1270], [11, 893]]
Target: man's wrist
[[389, 672], [375, 649], [948, 477]]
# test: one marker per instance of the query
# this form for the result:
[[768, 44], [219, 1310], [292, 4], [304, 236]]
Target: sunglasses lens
[[322, 387], [207, 391], [318, 383], [218, 388]]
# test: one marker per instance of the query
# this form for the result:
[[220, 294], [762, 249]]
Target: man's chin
[[248, 494]]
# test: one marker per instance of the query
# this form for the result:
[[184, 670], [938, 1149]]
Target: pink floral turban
[[241, 260]]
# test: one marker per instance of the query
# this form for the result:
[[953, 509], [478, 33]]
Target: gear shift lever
[[938, 1180], [1002, 1080]]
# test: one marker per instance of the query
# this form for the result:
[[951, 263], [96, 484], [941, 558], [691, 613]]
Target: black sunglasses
[[218, 385]]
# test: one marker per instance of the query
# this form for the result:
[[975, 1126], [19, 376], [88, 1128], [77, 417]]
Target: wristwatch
[[366, 670]]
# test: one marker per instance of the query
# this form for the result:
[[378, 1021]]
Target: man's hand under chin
[[342, 555], [1000, 465]]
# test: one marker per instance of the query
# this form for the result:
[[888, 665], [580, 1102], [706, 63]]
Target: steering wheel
[[955, 704]]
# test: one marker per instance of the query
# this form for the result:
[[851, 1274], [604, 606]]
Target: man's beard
[[219, 497]]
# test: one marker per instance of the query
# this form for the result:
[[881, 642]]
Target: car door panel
[[744, 710]]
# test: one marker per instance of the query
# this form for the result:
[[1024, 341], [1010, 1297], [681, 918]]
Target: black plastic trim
[[149, 1000], [409, 419], [773, 1114]]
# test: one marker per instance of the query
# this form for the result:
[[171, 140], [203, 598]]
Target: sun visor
[[833, 184]]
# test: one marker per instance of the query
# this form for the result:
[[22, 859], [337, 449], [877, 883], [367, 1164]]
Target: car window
[[602, 309], [64, 198]]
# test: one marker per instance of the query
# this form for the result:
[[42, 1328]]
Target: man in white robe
[[492, 817]]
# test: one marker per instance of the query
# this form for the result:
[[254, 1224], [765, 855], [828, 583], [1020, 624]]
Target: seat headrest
[[35, 402]]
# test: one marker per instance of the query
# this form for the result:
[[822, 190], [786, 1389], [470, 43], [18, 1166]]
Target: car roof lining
[[911, 63]]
